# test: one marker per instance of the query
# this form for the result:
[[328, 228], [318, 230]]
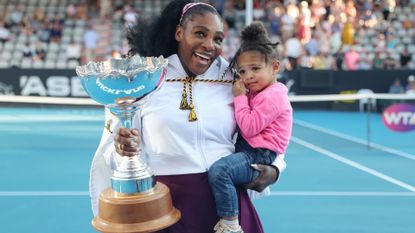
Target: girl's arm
[[253, 119]]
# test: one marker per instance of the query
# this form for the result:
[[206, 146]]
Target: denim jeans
[[235, 169]]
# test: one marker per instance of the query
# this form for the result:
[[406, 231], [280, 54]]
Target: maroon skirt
[[193, 197]]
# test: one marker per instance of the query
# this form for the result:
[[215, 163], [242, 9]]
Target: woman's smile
[[203, 59]]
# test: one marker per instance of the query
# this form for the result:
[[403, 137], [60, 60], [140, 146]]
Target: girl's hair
[[158, 37], [254, 37]]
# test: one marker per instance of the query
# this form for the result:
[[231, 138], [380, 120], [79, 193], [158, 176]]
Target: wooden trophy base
[[137, 213]]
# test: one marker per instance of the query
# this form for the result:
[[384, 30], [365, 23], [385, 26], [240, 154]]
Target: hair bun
[[255, 32]]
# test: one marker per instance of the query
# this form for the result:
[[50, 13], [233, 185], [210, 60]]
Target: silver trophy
[[123, 85]]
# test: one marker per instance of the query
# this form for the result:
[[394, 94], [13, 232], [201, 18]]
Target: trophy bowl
[[134, 202]]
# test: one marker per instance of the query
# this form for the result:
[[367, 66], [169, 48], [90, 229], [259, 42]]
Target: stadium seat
[[26, 63], [49, 64], [38, 64], [4, 64]]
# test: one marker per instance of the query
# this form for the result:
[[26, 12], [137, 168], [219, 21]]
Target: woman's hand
[[268, 175], [127, 142]]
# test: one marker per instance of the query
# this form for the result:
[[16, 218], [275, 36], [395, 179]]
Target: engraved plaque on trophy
[[135, 202]]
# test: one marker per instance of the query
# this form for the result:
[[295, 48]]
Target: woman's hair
[[254, 37], [157, 37]]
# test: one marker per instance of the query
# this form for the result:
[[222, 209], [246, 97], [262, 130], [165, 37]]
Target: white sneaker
[[221, 227]]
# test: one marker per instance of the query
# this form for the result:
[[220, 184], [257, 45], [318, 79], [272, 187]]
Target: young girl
[[264, 116]]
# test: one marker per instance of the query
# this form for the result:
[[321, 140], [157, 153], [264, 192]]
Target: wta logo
[[399, 117]]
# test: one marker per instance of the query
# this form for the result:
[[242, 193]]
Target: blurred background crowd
[[313, 34]]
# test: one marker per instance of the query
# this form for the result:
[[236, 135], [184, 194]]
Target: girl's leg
[[224, 174]]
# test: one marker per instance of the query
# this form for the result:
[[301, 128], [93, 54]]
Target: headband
[[188, 6]]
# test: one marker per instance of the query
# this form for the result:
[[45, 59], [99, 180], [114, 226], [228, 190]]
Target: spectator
[[348, 33], [71, 11], [274, 17], [129, 16], [55, 32], [40, 52], [28, 51], [230, 42], [389, 63], [287, 27], [44, 33], [411, 83], [16, 16], [304, 31], [81, 11], [38, 15], [293, 50], [219, 5], [381, 42], [377, 62], [73, 51], [369, 19], [105, 7], [388, 7], [364, 63], [26, 26], [90, 43], [4, 33], [396, 87], [322, 36], [312, 46], [405, 57], [322, 62], [335, 41], [37, 20], [305, 61], [338, 59], [350, 58], [391, 41]]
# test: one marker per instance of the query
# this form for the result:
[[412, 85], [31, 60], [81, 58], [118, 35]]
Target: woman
[[188, 123]]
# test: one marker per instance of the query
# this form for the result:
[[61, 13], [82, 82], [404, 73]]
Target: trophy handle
[[132, 175]]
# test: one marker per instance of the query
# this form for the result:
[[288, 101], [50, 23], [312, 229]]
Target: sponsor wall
[[36, 82]]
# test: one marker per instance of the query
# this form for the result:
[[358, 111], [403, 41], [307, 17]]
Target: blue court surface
[[334, 181]]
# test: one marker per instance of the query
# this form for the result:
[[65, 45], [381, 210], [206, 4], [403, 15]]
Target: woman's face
[[199, 42]]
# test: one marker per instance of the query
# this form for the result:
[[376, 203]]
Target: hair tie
[[188, 6]]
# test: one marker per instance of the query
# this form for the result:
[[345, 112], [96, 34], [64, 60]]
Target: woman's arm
[[268, 175]]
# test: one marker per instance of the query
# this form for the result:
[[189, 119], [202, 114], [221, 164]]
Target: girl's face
[[199, 42], [255, 72]]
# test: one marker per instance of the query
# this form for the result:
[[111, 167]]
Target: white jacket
[[171, 144]]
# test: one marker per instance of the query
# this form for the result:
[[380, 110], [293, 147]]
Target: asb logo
[[399, 117]]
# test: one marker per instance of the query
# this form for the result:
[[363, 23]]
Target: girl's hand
[[238, 88], [127, 142]]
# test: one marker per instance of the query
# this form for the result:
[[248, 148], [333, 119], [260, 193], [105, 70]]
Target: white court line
[[353, 164], [351, 194], [356, 140], [42, 193]]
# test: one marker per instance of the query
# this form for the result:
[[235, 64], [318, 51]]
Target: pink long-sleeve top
[[265, 118]]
